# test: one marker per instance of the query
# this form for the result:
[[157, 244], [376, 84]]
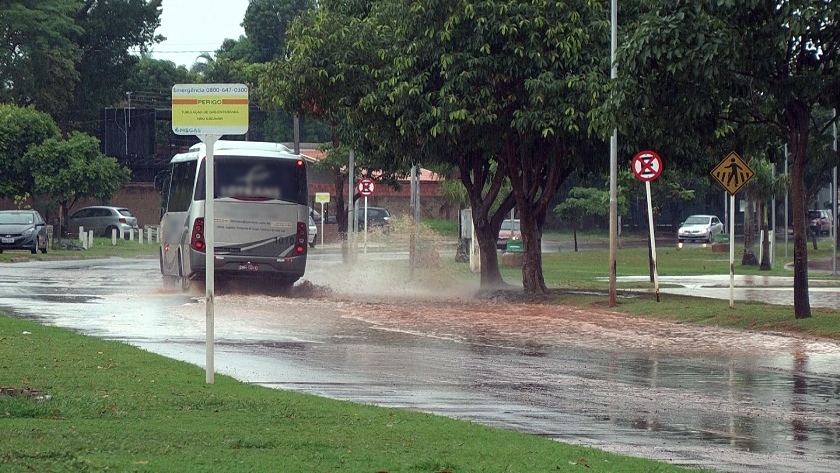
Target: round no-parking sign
[[647, 166], [366, 186]]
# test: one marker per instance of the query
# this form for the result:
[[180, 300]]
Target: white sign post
[[209, 111], [322, 198], [366, 187], [733, 173], [647, 166]]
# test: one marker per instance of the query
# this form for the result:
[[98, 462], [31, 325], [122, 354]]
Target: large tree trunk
[[796, 114], [539, 169], [533, 279], [474, 172]]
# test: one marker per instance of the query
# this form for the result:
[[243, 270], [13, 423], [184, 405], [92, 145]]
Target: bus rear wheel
[[183, 279]]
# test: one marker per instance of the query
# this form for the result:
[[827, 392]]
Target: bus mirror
[[160, 179]]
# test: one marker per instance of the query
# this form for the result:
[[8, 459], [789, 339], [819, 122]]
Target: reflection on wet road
[[696, 396]]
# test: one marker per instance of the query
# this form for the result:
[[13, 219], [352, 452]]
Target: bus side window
[[181, 186]]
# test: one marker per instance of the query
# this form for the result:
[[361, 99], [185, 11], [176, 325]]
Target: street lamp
[[613, 161]]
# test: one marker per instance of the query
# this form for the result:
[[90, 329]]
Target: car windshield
[[16, 218], [815, 214], [696, 220], [125, 212], [506, 225]]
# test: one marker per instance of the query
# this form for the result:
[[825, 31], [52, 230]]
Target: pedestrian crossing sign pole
[[732, 173]]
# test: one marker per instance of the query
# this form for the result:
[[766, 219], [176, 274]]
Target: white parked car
[[700, 228], [313, 232]]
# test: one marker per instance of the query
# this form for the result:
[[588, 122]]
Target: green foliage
[[111, 30], [71, 169], [38, 65], [20, 129], [266, 22], [581, 203]]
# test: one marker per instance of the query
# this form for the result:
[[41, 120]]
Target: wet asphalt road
[[703, 397]]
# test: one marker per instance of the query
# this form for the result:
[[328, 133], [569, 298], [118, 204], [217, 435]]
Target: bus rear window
[[256, 179]]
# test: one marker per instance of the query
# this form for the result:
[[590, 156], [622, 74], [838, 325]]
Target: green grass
[[447, 228], [114, 407], [102, 248]]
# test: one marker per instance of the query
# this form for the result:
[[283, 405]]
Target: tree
[[73, 169], [481, 82], [328, 72], [583, 202], [111, 29], [40, 53], [20, 129], [695, 71], [266, 22]]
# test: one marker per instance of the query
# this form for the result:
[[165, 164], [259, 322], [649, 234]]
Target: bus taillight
[[300, 238], [197, 238]]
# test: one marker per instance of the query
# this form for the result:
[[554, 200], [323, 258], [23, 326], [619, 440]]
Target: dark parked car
[[23, 230], [103, 219], [377, 217]]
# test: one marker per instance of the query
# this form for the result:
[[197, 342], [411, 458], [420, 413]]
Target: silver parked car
[[102, 219], [700, 227], [23, 230]]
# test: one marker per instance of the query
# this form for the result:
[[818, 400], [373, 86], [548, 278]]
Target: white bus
[[260, 209]]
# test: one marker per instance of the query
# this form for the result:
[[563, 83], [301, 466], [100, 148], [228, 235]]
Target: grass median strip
[[104, 405]]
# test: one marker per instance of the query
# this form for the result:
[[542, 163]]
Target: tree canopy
[[698, 74]]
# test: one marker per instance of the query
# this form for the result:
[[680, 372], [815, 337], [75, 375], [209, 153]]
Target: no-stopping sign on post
[[647, 166], [366, 186]]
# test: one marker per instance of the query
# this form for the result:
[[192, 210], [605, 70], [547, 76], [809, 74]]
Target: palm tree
[[758, 191]]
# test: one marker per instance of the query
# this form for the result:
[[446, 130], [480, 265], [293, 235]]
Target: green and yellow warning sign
[[219, 109], [732, 173]]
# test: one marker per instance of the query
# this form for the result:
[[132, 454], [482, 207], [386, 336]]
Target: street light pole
[[613, 161]]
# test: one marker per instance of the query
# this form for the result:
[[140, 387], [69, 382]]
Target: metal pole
[[787, 192], [726, 209], [773, 221], [732, 252], [652, 242], [613, 160], [834, 204], [834, 221], [351, 214], [209, 256], [412, 236]]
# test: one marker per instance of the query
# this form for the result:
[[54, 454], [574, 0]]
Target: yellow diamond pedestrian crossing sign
[[732, 173]]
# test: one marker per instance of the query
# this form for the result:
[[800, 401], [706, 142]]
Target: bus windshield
[[256, 179]]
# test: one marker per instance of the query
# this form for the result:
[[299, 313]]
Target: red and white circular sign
[[366, 186], [647, 166]]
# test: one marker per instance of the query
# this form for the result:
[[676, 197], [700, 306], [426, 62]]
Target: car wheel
[[110, 231], [312, 244]]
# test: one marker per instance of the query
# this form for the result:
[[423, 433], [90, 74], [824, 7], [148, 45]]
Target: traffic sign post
[[647, 166], [322, 198], [366, 186], [209, 111], [732, 174]]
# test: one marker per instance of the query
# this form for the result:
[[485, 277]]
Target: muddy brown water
[[694, 396]]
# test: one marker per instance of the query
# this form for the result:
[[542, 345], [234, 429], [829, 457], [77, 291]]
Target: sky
[[193, 27]]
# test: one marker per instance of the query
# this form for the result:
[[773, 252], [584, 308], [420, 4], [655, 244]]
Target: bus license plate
[[248, 267], [7, 240]]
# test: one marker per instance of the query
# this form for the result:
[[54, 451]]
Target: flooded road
[[693, 396]]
